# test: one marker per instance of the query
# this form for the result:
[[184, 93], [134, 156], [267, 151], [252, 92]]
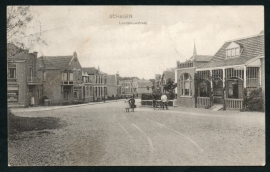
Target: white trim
[[71, 60], [185, 68], [221, 67], [255, 58]]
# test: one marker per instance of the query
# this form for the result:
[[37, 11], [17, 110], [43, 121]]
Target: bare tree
[[18, 17]]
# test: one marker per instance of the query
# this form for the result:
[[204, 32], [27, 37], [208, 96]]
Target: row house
[[61, 78], [87, 90], [238, 64], [161, 80], [23, 86], [113, 86], [98, 81]]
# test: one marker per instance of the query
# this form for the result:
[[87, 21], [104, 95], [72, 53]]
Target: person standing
[[164, 101], [154, 103], [132, 103], [127, 105]]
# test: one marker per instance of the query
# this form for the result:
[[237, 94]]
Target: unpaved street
[[104, 134]]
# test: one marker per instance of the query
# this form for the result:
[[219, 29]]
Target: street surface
[[105, 135]]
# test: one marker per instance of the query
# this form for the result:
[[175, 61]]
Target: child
[[127, 105]]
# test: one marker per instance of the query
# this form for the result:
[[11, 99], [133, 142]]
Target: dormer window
[[233, 50]]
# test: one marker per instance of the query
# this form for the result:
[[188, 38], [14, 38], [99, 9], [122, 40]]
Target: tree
[[169, 86], [18, 17]]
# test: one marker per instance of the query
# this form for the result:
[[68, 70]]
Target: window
[[237, 51], [233, 50], [44, 75], [64, 76], [185, 80], [12, 72], [71, 77], [229, 53], [12, 94]]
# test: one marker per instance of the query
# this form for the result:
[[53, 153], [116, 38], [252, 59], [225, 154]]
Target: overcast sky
[[140, 50]]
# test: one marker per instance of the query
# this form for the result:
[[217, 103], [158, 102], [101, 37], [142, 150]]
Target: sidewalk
[[44, 108]]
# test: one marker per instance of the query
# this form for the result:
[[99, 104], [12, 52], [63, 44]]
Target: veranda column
[[245, 77], [260, 77], [211, 82], [223, 77]]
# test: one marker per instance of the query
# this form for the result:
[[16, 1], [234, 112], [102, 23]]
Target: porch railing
[[234, 103], [203, 101]]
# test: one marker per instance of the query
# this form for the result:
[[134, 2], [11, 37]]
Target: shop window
[[12, 94]]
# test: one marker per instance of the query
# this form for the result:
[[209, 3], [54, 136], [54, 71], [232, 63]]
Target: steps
[[216, 107]]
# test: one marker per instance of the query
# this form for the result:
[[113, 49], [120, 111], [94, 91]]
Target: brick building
[[61, 78], [24, 88]]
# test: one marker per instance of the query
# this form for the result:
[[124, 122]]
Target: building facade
[[99, 83], [61, 78], [238, 64], [113, 86], [24, 88]]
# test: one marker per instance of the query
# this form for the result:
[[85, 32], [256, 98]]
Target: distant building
[[87, 92], [113, 85], [24, 88], [99, 82], [144, 86]]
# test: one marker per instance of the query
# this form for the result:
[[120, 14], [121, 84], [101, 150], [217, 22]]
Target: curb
[[61, 107]]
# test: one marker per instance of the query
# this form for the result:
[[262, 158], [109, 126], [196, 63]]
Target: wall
[[21, 71], [52, 86]]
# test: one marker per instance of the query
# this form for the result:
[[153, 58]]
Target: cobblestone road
[[104, 134]]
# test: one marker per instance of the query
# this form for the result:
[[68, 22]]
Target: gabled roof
[[169, 74], [251, 47], [90, 70], [56, 62]]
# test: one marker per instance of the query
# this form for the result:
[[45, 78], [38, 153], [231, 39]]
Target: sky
[[141, 50]]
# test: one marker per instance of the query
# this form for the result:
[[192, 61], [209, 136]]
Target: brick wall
[[52, 86]]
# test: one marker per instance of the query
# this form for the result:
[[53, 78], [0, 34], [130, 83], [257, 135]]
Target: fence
[[203, 102], [234, 103], [150, 102]]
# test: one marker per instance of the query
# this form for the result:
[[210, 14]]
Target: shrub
[[255, 101], [157, 96]]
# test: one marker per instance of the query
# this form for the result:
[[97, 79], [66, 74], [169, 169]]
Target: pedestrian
[[211, 95], [164, 101], [127, 105], [154, 102], [104, 99], [132, 103]]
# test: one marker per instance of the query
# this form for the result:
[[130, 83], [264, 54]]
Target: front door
[[235, 91]]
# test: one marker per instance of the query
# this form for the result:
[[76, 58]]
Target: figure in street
[[132, 103], [154, 103], [164, 101], [127, 106]]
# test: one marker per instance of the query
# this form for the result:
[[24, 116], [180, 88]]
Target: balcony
[[33, 81], [11, 79], [67, 82]]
